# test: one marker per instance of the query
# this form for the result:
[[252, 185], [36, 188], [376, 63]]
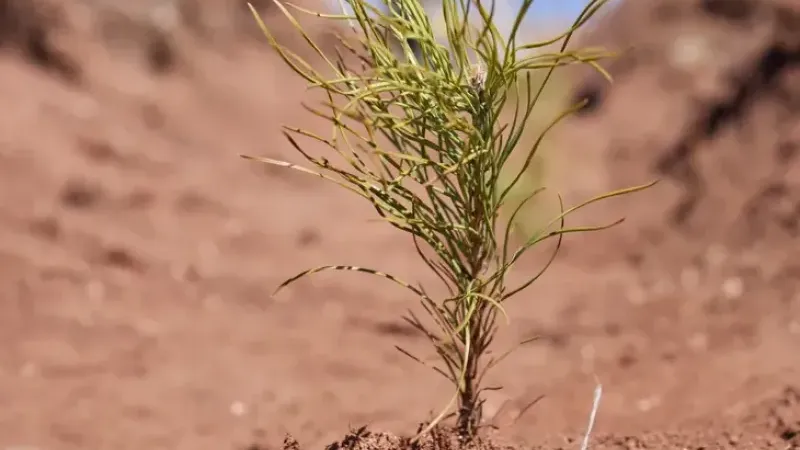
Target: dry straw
[[421, 136]]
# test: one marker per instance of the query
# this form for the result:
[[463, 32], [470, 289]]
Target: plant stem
[[470, 408], [473, 336]]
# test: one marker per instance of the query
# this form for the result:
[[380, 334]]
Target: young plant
[[422, 140]]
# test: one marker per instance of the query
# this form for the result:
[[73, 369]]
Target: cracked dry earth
[[138, 251]]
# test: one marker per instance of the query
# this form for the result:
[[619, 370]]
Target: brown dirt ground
[[138, 252]]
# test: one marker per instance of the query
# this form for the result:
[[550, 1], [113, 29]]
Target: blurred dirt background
[[138, 251]]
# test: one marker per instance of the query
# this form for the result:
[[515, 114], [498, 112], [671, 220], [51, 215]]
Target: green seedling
[[422, 137]]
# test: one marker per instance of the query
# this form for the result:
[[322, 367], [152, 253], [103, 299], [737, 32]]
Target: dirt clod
[[80, 194]]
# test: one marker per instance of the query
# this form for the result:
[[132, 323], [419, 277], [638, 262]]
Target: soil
[[139, 252]]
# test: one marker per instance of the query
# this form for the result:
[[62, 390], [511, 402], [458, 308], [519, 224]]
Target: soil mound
[[159, 34], [439, 438], [706, 97]]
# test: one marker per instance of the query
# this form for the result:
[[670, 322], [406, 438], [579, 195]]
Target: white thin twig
[[598, 394]]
